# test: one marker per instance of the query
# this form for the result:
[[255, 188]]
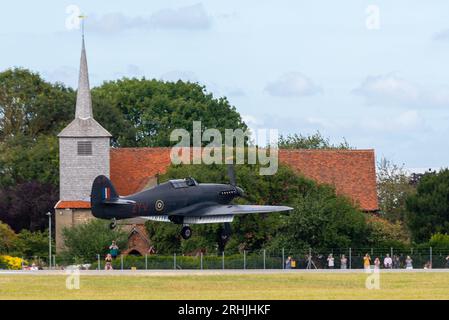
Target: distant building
[[85, 153]]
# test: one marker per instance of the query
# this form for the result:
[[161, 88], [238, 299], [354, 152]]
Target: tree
[[143, 113], [27, 204], [428, 209], [393, 188], [314, 141], [30, 244], [31, 106], [86, 240], [7, 237]]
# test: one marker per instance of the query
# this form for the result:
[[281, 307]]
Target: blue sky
[[297, 66]]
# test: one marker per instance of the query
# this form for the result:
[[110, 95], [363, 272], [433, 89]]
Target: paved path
[[205, 272]]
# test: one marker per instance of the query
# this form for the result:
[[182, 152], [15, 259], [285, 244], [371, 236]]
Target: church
[[85, 153]]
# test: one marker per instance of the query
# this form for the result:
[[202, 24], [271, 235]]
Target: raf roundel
[[159, 205]]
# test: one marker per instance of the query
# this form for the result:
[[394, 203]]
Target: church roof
[[84, 124], [351, 172]]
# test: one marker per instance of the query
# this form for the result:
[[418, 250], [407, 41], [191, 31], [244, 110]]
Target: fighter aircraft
[[181, 201]]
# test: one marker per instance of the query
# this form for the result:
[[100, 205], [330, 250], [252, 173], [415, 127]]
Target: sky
[[372, 72]]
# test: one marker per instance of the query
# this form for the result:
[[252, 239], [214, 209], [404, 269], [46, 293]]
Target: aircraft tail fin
[[102, 191]]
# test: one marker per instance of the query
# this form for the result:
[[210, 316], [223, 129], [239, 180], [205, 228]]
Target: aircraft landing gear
[[186, 232], [113, 224], [225, 234]]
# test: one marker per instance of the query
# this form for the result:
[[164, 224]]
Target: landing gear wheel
[[226, 232], [186, 232], [113, 224]]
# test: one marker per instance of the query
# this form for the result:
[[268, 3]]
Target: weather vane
[[82, 17]]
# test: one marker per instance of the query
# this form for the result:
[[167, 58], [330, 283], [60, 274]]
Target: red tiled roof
[[72, 205], [351, 172]]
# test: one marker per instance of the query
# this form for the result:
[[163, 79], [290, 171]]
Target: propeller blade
[[231, 175]]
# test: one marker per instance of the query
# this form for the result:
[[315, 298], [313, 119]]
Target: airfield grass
[[235, 287]]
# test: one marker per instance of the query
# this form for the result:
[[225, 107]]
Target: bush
[[83, 242], [383, 233], [30, 244], [11, 263], [7, 237]]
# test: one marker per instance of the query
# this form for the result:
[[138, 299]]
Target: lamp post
[[49, 239]]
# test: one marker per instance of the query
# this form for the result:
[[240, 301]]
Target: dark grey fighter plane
[[182, 201]]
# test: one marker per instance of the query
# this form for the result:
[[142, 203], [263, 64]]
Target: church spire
[[83, 98]]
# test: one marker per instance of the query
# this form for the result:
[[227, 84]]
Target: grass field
[[228, 286]]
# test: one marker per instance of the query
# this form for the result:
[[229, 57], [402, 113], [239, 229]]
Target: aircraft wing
[[237, 209]]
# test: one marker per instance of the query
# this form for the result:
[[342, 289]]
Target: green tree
[[30, 244], [428, 209], [7, 238], [86, 240], [31, 106], [314, 141], [143, 113], [393, 188]]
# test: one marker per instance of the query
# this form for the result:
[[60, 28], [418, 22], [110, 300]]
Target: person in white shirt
[[330, 261], [388, 262]]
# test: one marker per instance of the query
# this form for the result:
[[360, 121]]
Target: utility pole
[[49, 239]]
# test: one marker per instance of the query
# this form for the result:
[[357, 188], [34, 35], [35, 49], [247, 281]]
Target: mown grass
[[239, 286]]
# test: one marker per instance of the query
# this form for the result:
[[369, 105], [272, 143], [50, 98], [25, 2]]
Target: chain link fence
[[263, 259]]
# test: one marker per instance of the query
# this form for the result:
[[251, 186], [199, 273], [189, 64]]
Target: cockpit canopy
[[183, 183]]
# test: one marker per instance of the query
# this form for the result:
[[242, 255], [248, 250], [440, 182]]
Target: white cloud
[[442, 35], [390, 89], [193, 17], [293, 84], [132, 71]]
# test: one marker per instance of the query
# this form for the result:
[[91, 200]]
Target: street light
[[49, 239]]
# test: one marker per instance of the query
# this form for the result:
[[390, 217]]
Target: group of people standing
[[113, 253]]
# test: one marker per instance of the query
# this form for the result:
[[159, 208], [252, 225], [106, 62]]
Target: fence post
[[372, 252], [222, 260], [98, 262], [174, 260], [201, 257], [121, 262], [244, 259], [391, 252], [146, 262], [54, 261], [430, 255], [264, 259], [350, 258], [283, 259]]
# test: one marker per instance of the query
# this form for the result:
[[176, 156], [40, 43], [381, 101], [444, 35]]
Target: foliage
[[439, 241], [393, 188], [25, 205], [384, 233], [428, 209], [7, 237], [314, 141], [143, 113], [31, 244], [86, 240], [11, 263]]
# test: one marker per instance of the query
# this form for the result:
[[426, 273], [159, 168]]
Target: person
[[343, 262], [330, 261], [113, 250], [388, 262], [396, 262], [288, 263], [108, 262], [428, 265], [447, 262], [408, 263], [377, 263], [367, 261]]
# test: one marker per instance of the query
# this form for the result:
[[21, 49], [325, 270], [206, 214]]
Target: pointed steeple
[[84, 124], [83, 98]]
